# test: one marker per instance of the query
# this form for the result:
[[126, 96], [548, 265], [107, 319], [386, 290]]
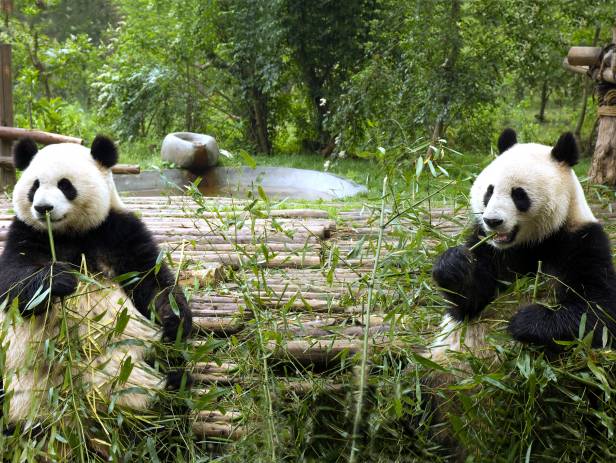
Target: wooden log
[[126, 169], [575, 69], [307, 387], [202, 228], [603, 168], [238, 306], [44, 138], [584, 56], [7, 163], [171, 236], [237, 261], [193, 211], [207, 245]]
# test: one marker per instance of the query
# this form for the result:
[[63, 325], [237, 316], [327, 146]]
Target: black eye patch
[[35, 186], [66, 187], [520, 199], [488, 195]]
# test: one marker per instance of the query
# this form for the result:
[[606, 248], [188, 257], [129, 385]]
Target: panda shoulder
[[121, 226], [21, 231]]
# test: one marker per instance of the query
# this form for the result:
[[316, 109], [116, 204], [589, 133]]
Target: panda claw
[[453, 269], [531, 325], [63, 282]]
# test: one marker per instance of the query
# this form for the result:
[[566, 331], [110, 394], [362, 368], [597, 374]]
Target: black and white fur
[[531, 200], [91, 230]]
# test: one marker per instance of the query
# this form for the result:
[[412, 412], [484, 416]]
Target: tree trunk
[[38, 64], [259, 133], [320, 108], [320, 105], [454, 42], [545, 93], [603, 167], [587, 84], [188, 122]]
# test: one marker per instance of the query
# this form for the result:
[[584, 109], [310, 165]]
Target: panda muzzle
[[506, 237]]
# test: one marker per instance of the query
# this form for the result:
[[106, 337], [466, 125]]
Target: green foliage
[[326, 41], [285, 75]]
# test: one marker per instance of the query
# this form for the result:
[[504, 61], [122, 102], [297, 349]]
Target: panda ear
[[23, 152], [566, 149], [507, 139], [104, 151]]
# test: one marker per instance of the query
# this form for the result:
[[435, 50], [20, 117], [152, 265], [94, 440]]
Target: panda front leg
[[130, 247], [25, 282], [541, 325], [468, 278]]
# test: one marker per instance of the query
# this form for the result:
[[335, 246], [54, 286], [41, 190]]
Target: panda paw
[[63, 281], [453, 270], [532, 324], [178, 380], [174, 325]]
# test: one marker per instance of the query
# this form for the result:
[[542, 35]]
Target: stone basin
[[277, 182]]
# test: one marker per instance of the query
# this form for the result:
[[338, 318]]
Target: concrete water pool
[[276, 182]]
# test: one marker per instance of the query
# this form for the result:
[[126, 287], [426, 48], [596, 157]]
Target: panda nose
[[43, 208], [493, 223]]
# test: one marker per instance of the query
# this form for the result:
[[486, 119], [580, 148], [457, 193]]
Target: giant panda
[[102, 281], [529, 210], [529, 207]]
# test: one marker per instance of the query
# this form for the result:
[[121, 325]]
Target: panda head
[[529, 192], [70, 182]]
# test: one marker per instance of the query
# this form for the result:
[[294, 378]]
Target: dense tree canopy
[[289, 75]]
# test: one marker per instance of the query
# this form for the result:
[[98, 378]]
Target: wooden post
[[7, 174], [600, 65], [603, 167]]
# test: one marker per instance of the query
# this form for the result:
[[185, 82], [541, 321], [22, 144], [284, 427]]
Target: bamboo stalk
[[218, 430], [306, 387], [216, 416], [364, 351], [204, 277], [228, 325], [313, 351], [236, 261]]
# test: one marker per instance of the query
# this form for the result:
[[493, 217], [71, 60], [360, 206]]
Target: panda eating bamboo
[[131, 300], [529, 208]]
